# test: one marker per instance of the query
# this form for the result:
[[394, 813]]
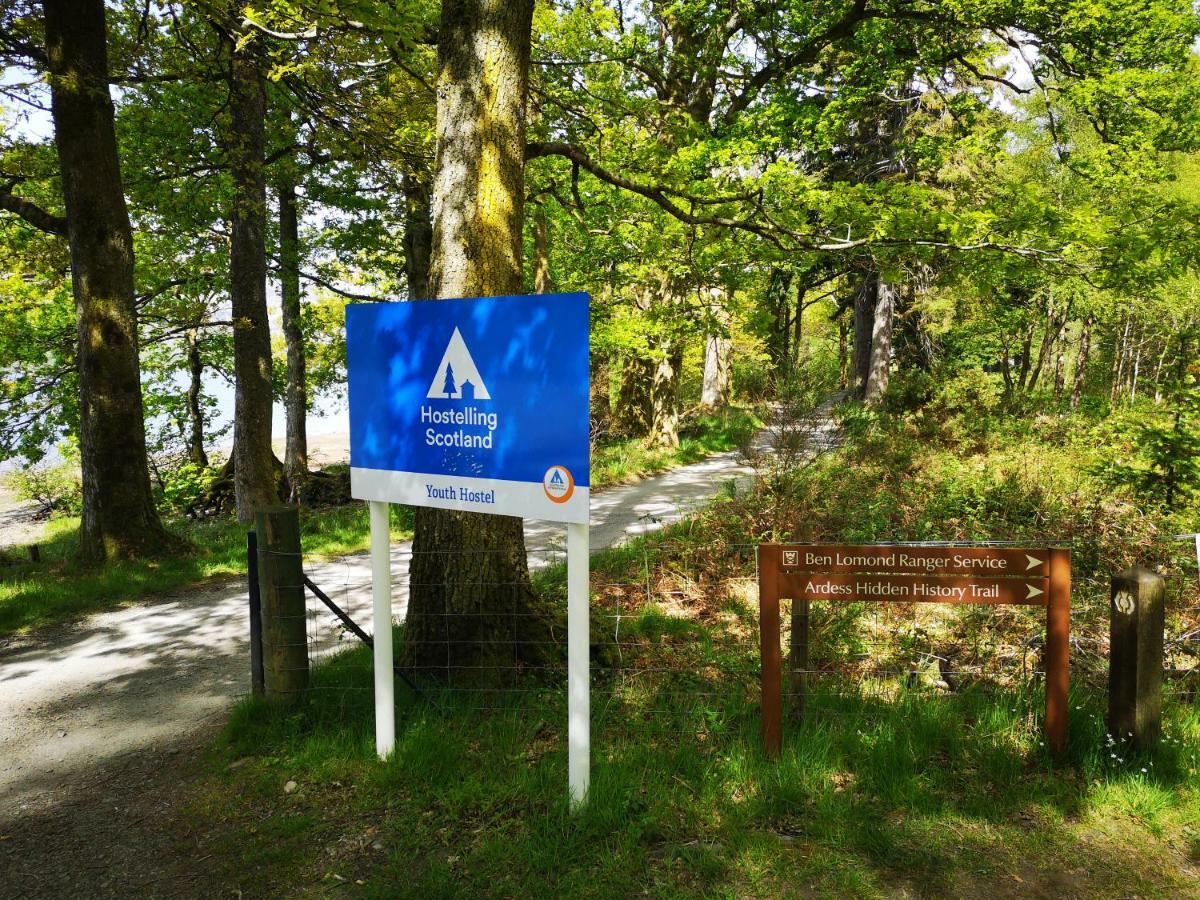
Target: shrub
[[183, 484], [56, 489]]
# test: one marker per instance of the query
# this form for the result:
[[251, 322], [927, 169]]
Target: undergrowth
[[892, 782]]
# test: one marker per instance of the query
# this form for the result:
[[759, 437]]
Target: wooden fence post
[[1058, 651], [284, 619], [1135, 661], [257, 679]]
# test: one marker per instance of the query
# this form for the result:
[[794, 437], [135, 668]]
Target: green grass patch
[[930, 794], [889, 785], [58, 588], [623, 461]]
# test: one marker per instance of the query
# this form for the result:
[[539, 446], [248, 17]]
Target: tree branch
[[783, 238], [33, 214]]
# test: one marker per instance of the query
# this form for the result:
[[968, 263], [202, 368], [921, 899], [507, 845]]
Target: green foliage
[[1164, 462], [629, 459], [184, 484], [54, 487]]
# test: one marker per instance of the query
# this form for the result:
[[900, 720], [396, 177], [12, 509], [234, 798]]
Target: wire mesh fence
[[675, 643]]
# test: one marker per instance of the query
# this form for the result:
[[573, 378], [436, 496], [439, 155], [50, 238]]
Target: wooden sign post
[[916, 574]]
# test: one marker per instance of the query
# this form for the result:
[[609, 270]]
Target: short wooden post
[[1058, 652], [1135, 661], [284, 620], [771, 652], [257, 679], [798, 661]]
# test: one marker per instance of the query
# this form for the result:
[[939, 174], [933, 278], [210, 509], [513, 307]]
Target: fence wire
[[675, 642]]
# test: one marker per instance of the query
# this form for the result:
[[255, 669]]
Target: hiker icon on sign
[[558, 484]]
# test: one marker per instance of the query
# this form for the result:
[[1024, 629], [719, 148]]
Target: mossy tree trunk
[[418, 236], [665, 409], [1081, 361], [632, 413], [880, 358], [119, 517], [295, 456], [471, 599], [253, 474], [864, 325], [196, 453]]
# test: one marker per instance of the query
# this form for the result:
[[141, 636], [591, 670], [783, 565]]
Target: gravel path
[[121, 695]]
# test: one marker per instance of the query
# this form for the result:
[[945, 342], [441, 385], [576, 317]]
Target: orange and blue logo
[[558, 484]]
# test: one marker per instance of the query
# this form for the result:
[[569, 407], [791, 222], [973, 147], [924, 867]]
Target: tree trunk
[[843, 354], [1053, 325], [295, 456], [471, 599], [665, 411], [1026, 359], [1120, 356], [253, 474], [196, 452], [542, 282], [119, 517], [1081, 361], [879, 369], [777, 304], [1006, 364], [418, 236], [1060, 372], [798, 327], [865, 300], [1137, 367], [633, 413], [714, 390], [1158, 368]]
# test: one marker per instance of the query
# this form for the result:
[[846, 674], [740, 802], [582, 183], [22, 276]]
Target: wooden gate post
[[284, 619], [1058, 651], [771, 653], [258, 684], [1135, 660]]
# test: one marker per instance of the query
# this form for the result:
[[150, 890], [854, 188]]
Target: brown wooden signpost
[[914, 574]]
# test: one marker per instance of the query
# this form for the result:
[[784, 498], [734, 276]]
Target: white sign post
[[381, 596], [478, 405], [579, 721]]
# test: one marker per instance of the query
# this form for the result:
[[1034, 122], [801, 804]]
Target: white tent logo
[[456, 377]]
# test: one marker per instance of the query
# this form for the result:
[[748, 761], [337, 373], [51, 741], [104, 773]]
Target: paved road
[[137, 680]]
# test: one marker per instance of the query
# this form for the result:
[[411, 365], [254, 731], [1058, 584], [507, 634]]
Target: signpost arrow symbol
[[1033, 591], [1033, 562]]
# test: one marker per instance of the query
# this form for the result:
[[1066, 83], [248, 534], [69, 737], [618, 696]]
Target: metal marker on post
[[381, 594], [579, 721]]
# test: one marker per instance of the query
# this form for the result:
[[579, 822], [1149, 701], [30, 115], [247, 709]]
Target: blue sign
[[474, 404]]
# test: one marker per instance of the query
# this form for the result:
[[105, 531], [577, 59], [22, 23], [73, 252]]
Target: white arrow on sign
[[1033, 591], [1033, 562]]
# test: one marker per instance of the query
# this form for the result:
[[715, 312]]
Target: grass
[[919, 793], [885, 788], [58, 589], [630, 459]]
